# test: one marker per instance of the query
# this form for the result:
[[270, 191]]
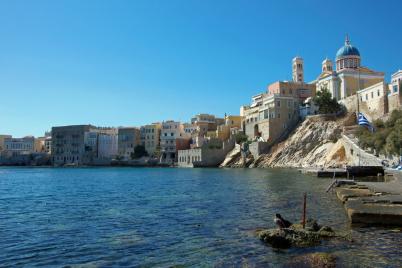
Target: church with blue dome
[[349, 76]]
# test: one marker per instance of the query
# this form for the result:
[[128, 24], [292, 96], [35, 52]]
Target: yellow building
[[2, 138], [223, 132], [39, 145], [150, 138], [349, 76]]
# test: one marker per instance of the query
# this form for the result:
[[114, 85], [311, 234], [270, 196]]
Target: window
[[278, 103], [289, 116], [289, 103], [372, 95], [366, 96], [378, 93], [279, 115], [395, 88], [265, 114]]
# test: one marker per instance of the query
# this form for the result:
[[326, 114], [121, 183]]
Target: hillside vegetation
[[387, 136]]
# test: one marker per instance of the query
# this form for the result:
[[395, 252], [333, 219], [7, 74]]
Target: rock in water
[[320, 259], [296, 236], [286, 238], [312, 225]]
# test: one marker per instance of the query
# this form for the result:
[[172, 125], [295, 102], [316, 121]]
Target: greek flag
[[362, 121]]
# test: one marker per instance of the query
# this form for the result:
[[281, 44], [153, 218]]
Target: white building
[[173, 138], [102, 143], [107, 145], [19, 146]]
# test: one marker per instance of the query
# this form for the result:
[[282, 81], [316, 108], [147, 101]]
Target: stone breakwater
[[374, 203]]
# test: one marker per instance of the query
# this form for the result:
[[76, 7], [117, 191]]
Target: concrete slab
[[374, 213]]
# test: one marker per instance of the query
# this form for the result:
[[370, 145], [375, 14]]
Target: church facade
[[349, 75]]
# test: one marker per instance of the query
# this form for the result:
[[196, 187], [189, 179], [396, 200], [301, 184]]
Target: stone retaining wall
[[358, 156]]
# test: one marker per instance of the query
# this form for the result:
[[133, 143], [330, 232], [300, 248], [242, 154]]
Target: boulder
[[296, 236], [286, 238]]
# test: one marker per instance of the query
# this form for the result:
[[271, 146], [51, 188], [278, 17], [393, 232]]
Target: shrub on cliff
[[240, 137], [326, 104], [387, 137]]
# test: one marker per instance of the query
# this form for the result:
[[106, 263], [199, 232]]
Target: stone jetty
[[374, 203]]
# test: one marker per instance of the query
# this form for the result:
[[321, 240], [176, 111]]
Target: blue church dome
[[347, 50]]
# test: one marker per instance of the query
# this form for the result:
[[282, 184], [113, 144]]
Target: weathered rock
[[316, 142], [234, 159], [286, 238], [312, 225], [296, 236], [319, 259]]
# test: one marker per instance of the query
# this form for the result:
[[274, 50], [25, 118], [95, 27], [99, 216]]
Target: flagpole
[[357, 95], [358, 89]]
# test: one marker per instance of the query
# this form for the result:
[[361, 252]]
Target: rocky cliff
[[316, 142]]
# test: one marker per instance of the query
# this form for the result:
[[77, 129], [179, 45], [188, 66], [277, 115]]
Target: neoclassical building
[[349, 76]]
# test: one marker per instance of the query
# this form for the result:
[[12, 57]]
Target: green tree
[[240, 137], [139, 151], [326, 104]]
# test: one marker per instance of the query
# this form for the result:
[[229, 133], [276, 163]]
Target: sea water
[[162, 217]]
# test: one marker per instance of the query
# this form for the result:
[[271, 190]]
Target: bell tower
[[327, 65], [297, 70]]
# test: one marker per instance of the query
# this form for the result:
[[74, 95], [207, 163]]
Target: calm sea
[[103, 217]]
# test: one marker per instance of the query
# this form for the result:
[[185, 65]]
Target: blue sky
[[124, 63]]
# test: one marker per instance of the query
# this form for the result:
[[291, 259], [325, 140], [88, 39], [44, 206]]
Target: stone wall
[[357, 156], [205, 156], [394, 102], [257, 148], [373, 109]]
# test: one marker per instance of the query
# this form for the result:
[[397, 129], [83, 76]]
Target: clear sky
[[125, 63]]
